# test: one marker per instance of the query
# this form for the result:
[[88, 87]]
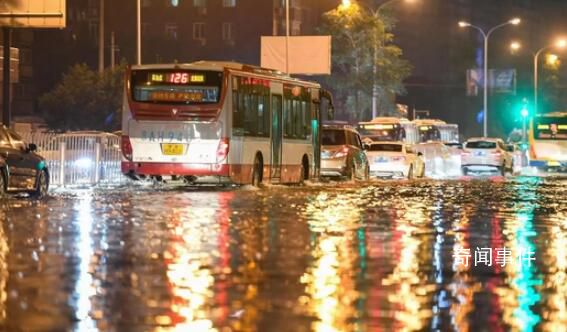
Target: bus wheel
[[257, 171], [2, 184], [304, 170]]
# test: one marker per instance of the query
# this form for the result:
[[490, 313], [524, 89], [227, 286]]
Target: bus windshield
[[428, 133], [184, 87], [382, 132], [550, 128]]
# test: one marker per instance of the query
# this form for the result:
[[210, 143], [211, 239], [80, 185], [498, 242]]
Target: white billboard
[[308, 55], [32, 13]]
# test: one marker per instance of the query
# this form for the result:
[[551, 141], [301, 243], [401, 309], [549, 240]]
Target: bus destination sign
[[175, 78]]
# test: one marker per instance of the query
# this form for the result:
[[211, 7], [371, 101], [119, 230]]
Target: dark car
[[21, 169]]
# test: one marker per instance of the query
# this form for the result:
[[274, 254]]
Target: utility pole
[[287, 36], [101, 37], [6, 102], [138, 33], [112, 51]]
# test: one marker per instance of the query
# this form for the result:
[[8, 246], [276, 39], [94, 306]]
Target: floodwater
[[337, 257]]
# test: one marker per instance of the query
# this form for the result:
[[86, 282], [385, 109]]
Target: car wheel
[[465, 171], [502, 170], [353, 172], [2, 184], [42, 185], [257, 172]]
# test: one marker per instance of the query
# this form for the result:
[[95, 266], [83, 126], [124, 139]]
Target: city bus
[[388, 129], [221, 122], [410, 132], [548, 141], [432, 130]]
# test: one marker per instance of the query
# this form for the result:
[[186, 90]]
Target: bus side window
[[237, 114]]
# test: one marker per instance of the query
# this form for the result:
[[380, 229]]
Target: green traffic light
[[524, 112]]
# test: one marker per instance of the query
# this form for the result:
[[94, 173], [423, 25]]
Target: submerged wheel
[[304, 171], [42, 185], [2, 184], [353, 172], [257, 171], [410, 172]]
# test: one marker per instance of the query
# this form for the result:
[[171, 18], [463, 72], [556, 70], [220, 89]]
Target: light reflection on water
[[348, 258]]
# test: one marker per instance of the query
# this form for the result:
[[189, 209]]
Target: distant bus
[[411, 132], [548, 141], [431, 130], [388, 129], [221, 122]]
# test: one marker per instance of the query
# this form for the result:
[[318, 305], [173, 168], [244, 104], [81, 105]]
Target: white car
[[486, 154], [394, 159]]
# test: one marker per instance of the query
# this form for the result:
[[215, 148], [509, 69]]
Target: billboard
[[499, 81], [32, 13], [308, 55]]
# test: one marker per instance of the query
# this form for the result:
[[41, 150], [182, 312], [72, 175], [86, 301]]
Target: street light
[[486, 35], [560, 44], [345, 5]]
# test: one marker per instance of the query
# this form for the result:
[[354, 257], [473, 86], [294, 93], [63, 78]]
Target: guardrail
[[80, 159]]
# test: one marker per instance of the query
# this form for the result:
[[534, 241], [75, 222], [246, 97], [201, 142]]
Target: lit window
[[199, 31], [229, 3], [174, 3]]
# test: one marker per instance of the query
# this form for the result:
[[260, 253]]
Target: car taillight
[[222, 150], [465, 153], [398, 158], [341, 153], [496, 153], [126, 147]]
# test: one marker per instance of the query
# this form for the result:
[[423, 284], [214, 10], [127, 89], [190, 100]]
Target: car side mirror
[[32, 147], [419, 154], [365, 146]]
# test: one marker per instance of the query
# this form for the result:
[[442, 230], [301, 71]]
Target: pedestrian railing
[[80, 159]]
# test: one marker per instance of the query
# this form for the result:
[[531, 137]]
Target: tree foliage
[[85, 100], [364, 55]]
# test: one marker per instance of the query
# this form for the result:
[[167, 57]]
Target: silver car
[[486, 154], [342, 153]]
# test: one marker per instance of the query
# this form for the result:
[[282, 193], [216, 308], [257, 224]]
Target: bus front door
[[277, 119]]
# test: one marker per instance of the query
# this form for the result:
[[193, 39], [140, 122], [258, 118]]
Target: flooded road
[[339, 257]]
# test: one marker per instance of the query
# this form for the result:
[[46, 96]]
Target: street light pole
[[486, 36], [287, 36], [139, 32], [101, 37]]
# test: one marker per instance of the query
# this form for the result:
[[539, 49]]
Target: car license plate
[[172, 149], [380, 160], [479, 153]]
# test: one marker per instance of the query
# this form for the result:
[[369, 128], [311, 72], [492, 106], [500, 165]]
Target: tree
[[364, 57], [85, 100]]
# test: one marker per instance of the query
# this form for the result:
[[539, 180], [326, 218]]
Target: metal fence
[[79, 159]]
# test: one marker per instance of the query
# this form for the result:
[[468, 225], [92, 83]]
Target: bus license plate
[[172, 149]]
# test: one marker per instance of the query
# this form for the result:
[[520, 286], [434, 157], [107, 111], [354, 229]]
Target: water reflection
[[345, 258], [330, 280]]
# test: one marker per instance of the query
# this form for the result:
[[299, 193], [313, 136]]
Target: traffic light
[[524, 112], [524, 109]]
